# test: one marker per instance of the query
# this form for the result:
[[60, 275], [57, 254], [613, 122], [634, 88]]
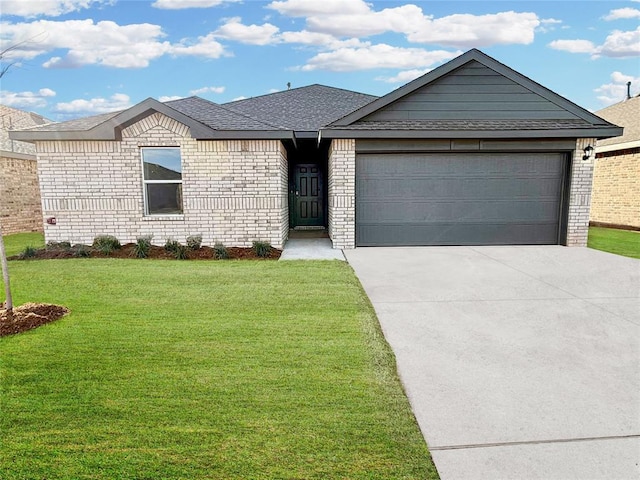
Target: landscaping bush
[[220, 252], [81, 251], [106, 243], [58, 246], [262, 249], [181, 252], [28, 252], [171, 245], [194, 242], [142, 246]]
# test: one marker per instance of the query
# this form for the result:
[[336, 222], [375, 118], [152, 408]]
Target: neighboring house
[[472, 153], [20, 209], [616, 181]]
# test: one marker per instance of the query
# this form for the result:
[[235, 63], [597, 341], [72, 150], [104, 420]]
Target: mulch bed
[[29, 316], [156, 252]]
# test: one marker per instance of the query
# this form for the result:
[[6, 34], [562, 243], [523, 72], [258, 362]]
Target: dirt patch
[[155, 252], [29, 316]]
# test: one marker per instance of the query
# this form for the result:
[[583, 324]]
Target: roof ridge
[[281, 92]]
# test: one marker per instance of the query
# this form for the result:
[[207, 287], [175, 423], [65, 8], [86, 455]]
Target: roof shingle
[[216, 116], [302, 109]]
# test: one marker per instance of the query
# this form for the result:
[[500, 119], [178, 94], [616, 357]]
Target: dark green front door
[[307, 198]]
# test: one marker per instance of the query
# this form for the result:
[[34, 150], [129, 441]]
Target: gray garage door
[[459, 199]]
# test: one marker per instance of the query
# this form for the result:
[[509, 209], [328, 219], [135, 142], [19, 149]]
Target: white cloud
[[376, 56], [548, 25], [26, 99], [250, 34], [404, 76], [169, 98], [324, 40], [182, 4], [621, 13], [103, 43], [406, 19], [305, 8], [357, 19], [198, 91], [116, 102], [573, 46], [621, 44], [206, 47], [616, 91], [48, 8], [617, 44], [268, 34], [238, 98], [465, 30]]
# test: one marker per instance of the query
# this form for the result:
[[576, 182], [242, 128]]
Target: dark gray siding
[[459, 198], [472, 92]]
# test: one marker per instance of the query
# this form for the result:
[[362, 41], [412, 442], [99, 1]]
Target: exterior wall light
[[588, 152]]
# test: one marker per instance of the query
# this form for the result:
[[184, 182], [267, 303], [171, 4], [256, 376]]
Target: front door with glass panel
[[307, 196]]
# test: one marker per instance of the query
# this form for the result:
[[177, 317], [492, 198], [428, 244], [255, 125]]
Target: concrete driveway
[[519, 362]]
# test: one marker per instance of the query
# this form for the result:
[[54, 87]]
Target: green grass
[[185, 370], [620, 242], [16, 242]]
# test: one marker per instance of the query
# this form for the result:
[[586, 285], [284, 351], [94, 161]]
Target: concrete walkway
[[310, 249], [519, 362]]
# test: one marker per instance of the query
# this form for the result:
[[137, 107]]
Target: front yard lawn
[[16, 242], [620, 242], [226, 370]]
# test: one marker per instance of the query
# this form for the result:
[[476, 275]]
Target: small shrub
[[28, 252], [171, 245], [106, 243], [194, 242], [220, 252], [58, 246], [262, 249], [81, 251], [181, 252], [142, 246]]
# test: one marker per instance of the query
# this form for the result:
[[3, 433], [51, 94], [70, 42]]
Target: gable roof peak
[[443, 70]]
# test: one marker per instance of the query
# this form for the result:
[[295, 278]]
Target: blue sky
[[75, 58]]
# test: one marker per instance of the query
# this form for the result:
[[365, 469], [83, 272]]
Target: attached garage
[[460, 198], [471, 153]]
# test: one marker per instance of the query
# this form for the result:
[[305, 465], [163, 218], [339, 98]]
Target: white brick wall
[[234, 191], [342, 193], [580, 195]]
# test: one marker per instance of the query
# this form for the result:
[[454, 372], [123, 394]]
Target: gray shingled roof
[[471, 125], [302, 109], [77, 125], [217, 117]]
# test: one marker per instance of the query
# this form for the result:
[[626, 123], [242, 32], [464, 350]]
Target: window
[[162, 177]]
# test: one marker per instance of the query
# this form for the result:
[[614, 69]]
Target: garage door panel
[[447, 234], [459, 212], [470, 188], [458, 199]]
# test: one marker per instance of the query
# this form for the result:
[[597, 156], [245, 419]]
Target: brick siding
[[20, 209], [616, 189], [342, 193], [580, 195], [233, 191]]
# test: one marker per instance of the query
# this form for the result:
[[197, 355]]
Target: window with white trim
[[162, 178]]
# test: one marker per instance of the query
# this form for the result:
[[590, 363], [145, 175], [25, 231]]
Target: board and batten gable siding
[[471, 92], [233, 191]]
